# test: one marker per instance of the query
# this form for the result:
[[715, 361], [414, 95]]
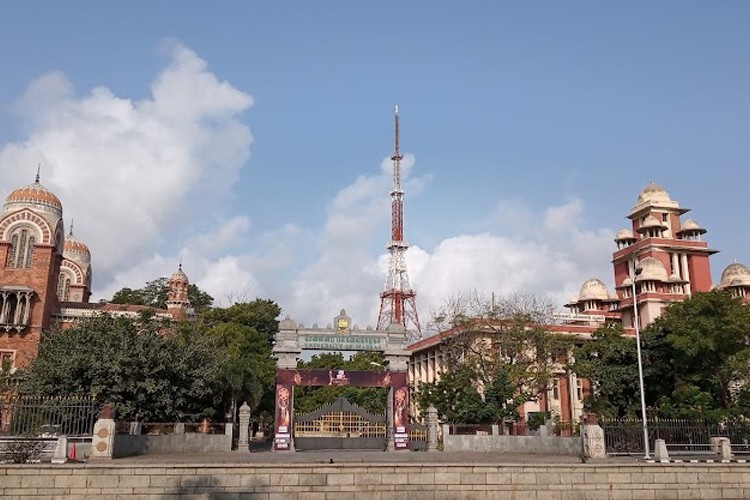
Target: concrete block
[[422, 478], [341, 478], [495, 478], [367, 478], [522, 478]]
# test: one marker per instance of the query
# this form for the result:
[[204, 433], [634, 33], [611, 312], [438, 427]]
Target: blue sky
[[248, 138]]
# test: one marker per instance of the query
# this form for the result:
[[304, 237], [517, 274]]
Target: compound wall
[[376, 481]]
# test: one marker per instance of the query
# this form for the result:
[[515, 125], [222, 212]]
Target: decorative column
[[432, 428], [243, 444], [686, 274], [4, 311], [27, 308]]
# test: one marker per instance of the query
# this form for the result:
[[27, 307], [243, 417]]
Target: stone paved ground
[[263, 455]]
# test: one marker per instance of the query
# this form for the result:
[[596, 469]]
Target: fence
[[47, 416], [625, 437]]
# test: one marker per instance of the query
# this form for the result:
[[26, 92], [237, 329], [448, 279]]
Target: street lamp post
[[647, 454]]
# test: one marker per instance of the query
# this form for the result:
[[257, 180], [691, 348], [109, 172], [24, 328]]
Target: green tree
[[698, 357], [610, 362], [148, 372], [260, 315], [243, 335], [500, 355], [154, 294]]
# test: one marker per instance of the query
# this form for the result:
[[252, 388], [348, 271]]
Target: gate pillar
[[243, 443]]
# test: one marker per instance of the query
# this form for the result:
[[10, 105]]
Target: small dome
[[651, 270], [627, 282], [624, 234], [179, 276], [33, 196], [593, 289], [690, 226], [735, 275], [651, 222], [74, 246], [653, 193]]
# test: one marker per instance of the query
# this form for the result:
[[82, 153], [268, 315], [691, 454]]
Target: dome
[[179, 276], [624, 234], [650, 223], [653, 193], [34, 196], [735, 275], [691, 226], [75, 247], [593, 289], [651, 270]]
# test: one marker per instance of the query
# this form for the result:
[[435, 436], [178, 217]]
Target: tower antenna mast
[[398, 300]]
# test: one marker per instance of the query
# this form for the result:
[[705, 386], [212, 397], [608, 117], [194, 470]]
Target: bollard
[[61, 450], [725, 449], [660, 451]]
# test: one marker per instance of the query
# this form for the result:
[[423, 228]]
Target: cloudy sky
[[250, 140]]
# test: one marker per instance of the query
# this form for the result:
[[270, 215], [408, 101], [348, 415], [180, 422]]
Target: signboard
[[334, 342], [340, 378]]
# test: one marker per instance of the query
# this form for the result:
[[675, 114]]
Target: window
[[21, 248], [579, 390], [63, 287], [7, 360], [555, 389]]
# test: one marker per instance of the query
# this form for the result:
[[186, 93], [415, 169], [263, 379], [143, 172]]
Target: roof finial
[[38, 168], [180, 266], [70, 233]]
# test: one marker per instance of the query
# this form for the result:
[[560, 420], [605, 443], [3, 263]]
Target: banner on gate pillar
[[400, 411], [283, 422]]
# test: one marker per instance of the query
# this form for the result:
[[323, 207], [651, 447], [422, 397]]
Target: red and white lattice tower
[[398, 300]]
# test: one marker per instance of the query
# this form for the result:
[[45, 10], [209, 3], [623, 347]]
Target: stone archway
[[292, 339]]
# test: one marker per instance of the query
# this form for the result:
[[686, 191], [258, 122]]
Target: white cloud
[[130, 172], [136, 175]]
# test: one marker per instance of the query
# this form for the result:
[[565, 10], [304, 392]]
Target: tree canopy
[[154, 294], [156, 370], [146, 374], [610, 361], [696, 360], [500, 354]]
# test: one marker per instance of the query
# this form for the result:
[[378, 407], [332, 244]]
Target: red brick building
[[45, 276], [660, 257]]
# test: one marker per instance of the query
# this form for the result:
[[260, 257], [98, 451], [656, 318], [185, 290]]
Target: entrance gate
[[340, 425], [292, 339]]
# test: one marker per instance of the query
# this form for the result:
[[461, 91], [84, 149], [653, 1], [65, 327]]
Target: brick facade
[[45, 277]]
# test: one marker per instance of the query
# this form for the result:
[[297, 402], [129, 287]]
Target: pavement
[[261, 454]]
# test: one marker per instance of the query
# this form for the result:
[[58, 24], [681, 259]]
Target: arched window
[[63, 287], [21, 251]]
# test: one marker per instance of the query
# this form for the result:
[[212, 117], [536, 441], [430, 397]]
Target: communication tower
[[398, 300]]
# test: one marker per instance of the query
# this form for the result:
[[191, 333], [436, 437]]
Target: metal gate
[[340, 425]]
